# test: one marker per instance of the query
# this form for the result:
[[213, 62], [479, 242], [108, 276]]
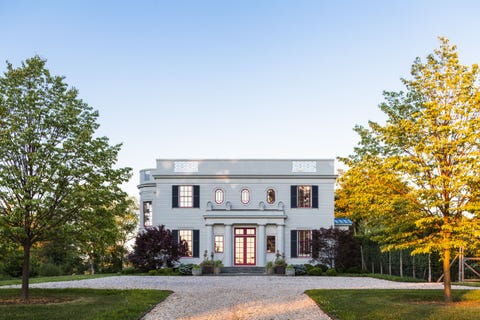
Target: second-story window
[[185, 196], [270, 196], [219, 196], [245, 196]]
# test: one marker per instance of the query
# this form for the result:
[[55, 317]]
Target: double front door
[[245, 246]]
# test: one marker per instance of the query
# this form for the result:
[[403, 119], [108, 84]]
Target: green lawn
[[397, 304], [54, 279], [80, 304]]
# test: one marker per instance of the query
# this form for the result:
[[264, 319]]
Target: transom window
[[304, 243], [218, 244], [187, 236], [270, 196], [245, 196], [185, 196], [219, 196], [304, 197], [147, 213]]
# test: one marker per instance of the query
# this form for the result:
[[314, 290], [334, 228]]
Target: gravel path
[[237, 297]]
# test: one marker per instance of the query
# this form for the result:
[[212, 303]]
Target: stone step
[[243, 270]]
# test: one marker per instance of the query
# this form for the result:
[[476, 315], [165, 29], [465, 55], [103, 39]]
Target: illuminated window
[[245, 196], [185, 196], [219, 196], [218, 244], [304, 197], [147, 213], [270, 196], [187, 236], [304, 240], [271, 244]]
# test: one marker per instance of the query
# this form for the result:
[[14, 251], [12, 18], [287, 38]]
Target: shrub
[[129, 270], [49, 270], [331, 272], [354, 270], [308, 266], [300, 269], [315, 271], [156, 248], [162, 272], [185, 269]]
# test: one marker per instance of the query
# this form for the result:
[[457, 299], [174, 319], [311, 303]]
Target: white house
[[242, 210]]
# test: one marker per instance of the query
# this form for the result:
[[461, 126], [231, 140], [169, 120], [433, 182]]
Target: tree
[[419, 171], [155, 248], [52, 166]]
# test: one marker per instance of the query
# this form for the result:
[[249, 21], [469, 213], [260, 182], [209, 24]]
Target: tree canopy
[[415, 178], [54, 171]]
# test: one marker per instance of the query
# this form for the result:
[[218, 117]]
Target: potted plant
[[280, 263], [207, 264], [269, 268], [217, 266], [290, 270], [196, 270]]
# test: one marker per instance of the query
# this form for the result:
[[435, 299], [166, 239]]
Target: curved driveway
[[237, 297]]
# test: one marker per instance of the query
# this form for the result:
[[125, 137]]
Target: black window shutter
[[196, 244], [314, 196], [293, 196], [174, 196], [175, 236], [196, 196], [293, 244]]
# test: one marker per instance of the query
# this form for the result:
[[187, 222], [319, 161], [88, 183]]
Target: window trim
[[245, 196], [189, 242], [274, 195], [308, 243], [300, 204], [219, 191]]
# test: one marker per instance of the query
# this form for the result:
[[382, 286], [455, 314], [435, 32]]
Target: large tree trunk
[[447, 281], [25, 272]]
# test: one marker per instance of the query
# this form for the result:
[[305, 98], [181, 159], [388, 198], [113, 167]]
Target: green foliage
[[396, 304], [57, 179], [413, 182], [315, 271], [82, 304], [185, 269], [331, 272], [49, 270], [300, 269], [163, 272], [129, 270]]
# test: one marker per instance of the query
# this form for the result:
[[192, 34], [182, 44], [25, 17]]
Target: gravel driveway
[[237, 297]]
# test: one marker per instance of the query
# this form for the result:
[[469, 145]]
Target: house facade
[[244, 211]]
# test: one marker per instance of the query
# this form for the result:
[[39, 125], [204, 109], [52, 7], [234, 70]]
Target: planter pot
[[279, 269], [270, 270], [217, 270], [207, 270], [290, 272], [197, 272]]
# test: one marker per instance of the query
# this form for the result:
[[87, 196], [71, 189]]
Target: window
[[270, 196], [218, 244], [304, 197], [271, 244], [147, 213], [219, 196], [185, 196], [304, 243], [245, 196], [187, 236]]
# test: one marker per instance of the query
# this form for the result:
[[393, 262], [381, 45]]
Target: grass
[[397, 304], [79, 304], [54, 279]]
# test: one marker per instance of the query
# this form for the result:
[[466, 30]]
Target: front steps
[[237, 271]]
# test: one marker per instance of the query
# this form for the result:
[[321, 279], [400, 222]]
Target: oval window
[[245, 196], [270, 196], [219, 196]]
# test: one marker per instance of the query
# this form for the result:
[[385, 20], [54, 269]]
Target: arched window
[[219, 196], [245, 196], [270, 196]]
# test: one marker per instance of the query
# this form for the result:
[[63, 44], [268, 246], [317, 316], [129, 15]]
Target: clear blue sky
[[233, 79]]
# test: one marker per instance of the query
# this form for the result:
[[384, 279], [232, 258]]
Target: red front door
[[245, 246]]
